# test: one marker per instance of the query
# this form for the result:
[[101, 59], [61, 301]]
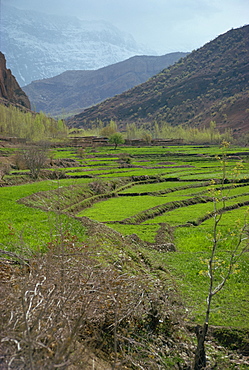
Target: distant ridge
[[73, 91], [211, 83]]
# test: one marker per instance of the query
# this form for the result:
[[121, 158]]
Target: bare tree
[[35, 158], [218, 277]]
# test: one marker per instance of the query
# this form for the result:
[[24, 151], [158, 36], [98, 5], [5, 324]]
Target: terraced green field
[[163, 195]]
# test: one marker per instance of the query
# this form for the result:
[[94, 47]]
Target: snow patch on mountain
[[39, 45]]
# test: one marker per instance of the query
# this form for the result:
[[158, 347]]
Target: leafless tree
[[35, 157], [218, 277]]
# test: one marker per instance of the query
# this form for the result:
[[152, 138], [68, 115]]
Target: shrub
[[116, 139], [35, 158]]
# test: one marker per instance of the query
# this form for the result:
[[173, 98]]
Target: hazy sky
[[161, 25]]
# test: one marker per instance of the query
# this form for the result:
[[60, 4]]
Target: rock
[[167, 247], [9, 87]]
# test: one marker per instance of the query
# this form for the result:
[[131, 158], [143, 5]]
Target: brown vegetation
[[61, 307]]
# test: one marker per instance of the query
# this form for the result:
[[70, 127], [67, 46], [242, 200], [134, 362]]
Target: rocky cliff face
[[9, 88]]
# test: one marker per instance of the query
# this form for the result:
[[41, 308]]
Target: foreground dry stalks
[[64, 303]]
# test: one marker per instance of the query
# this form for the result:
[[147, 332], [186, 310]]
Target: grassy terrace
[[19, 223], [161, 187]]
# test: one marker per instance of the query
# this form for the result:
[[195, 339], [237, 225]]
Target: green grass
[[183, 215], [229, 307], [192, 213], [116, 209], [144, 232], [230, 218], [100, 172], [189, 151], [129, 172], [156, 187], [63, 153], [23, 226]]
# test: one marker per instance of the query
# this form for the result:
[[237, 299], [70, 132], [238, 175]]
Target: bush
[[98, 187], [35, 158], [116, 139], [4, 170]]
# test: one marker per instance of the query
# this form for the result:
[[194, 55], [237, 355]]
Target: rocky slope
[[39, 45], [73, 91], [10, 90], [211, 83]]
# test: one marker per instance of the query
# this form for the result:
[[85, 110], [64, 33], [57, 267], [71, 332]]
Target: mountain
[[10, 91], [211, 83], [39, 45], [72, 91]]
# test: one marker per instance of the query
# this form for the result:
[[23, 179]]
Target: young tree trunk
[[200, 354]]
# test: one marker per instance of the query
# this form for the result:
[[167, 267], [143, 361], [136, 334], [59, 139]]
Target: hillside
[[72, 91], [10, 91], [211, 83], [39, 45]]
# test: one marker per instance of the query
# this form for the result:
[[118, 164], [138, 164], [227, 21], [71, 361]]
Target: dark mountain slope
[[10, 90], [72, 91], [211, 83]]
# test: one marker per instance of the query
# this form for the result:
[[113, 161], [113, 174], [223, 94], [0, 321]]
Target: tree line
[[38, 126], [29, 125], [163, 130]]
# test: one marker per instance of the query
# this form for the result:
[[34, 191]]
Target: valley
[[124, 227], [152, 218]]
